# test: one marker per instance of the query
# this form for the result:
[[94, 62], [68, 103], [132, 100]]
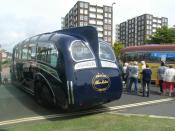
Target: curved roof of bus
[[151, 47]]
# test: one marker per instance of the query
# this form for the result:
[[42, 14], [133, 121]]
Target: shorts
[[168, 85]]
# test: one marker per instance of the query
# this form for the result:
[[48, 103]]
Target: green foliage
[[163, 35], [117, 48], [5, 62]]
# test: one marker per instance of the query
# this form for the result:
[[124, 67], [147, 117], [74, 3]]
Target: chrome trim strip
[[72, 93], [47, 83], [48, 71], [68, 93]]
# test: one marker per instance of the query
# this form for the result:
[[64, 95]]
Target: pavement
[[16, 104]]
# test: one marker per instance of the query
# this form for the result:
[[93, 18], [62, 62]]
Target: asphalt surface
[[15, 104]]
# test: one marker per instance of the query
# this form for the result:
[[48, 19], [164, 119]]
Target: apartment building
[[135, 31], [83, 14], [117, 33]]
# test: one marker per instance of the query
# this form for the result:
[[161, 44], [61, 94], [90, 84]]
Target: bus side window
[[31, 51], [47, 53], [52, 56], [24, 52], [16, 53], [41, 52]]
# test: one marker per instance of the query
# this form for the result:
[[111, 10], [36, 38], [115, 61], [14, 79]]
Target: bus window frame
[[83, 43], [35, 45], [22, 53], [45, 62], [105, 43]]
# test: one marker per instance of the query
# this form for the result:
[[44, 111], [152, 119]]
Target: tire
[[43, 95], [65, 106]]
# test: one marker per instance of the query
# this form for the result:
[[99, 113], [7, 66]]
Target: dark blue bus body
[[69, 68]]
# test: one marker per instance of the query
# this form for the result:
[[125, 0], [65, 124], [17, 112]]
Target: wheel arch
[[47, 82]]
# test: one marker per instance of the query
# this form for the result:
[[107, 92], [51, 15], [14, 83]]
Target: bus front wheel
[[43, 95]]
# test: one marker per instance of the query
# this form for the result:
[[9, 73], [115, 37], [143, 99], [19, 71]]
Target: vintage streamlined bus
[[69, 68]]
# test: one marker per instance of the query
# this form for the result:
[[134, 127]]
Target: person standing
[[143, 66], [160, 75], [133, 77], [169, 80], [146, 79], [125, 74]]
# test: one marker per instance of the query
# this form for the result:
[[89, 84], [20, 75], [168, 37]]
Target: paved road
[[161, 109], [15, 103]]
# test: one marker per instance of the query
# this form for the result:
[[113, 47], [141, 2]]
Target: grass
[[99, 122]]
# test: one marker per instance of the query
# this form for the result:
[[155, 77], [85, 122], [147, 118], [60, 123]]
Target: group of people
[[165, 76], [131, 74]]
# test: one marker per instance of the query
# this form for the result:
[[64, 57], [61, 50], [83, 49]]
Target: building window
[[86, 5], [85, 18], [105, 38], [159, 21], [109, 27], [82, 5], [110, 9], [92, 15], [99, 16], [154, 25], [81, 17], [99, 28], [99, 10], [99, 22], [105, 27], [85, 12], [105, 32], [106, 14], [100, 34], [155, 20], [109, 39], [92, 22], [81, 23], [81, 11], [106, 21], [106, 9], [109, 33], [93, 9], [109, 21], [85, 23]]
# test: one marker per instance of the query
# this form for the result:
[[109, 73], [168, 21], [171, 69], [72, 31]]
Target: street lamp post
[[112, 21]]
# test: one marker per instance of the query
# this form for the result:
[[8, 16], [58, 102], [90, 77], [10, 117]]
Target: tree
[[117, 48], [163, 35]]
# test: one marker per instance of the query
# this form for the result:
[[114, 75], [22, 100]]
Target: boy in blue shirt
[[146, 77]]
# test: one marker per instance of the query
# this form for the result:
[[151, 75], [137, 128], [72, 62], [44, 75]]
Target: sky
[[20, 19]]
